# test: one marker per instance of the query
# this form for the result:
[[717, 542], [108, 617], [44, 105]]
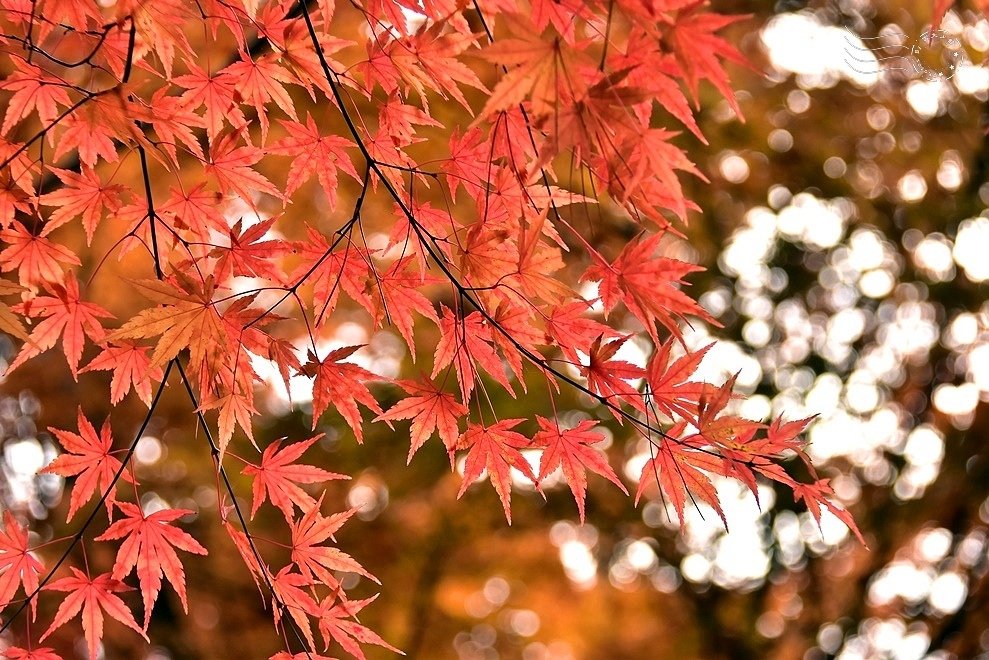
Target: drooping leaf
[[18, 565], [90, 598], [342, 384], [609, 378], [316, 561], [149, 546], [698, 50], [683, 477], [338, 622], [648, 284], [820, 494], [431, 410], [573, 451], [495, 448], [670, 389], [467, 344]]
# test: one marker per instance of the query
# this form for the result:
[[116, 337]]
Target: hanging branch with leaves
[[466, 158]]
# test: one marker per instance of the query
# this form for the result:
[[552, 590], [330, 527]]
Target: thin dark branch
[[215, 453], [462, 290], [152, 217]]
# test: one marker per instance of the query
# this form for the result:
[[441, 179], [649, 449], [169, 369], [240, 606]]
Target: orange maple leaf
[[66, 316], [185, 319]]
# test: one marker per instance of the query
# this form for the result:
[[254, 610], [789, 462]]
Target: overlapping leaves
[[478, 252]]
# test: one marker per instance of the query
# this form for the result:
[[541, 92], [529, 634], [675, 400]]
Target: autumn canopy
[[194, 196]]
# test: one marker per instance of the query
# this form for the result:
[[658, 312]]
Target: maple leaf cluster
[[197, 175]]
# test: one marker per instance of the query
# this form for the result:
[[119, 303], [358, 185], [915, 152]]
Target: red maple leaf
[[670, 389], [648, 285], [316, 561], [90, 130], [535, 70], [35, 258], [399, 296], [261, 81], [431, 410], [277, 475], [713, 426], [331, 270], [236, 408], [131, 368], [149, 545], [467, 343], [18, 565], [341, 383], [784, 436], [820, 494], [682, 475], [313, 153], [609, 378], [537, 263], [230, 166], [90, 597], [33, 91], [338, 622], [84, 195], [573, 451], [37, 653], [174, 120], [642, 174], [290, 594], [87, 458], [496, 449], [64, 315], [428, 60], [217, 92], [692, 38], [196, 210], [568, 328], [248, 255], [487, 255], [467, 165]]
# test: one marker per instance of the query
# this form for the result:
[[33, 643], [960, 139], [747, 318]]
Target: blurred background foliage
[[846, 237]]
